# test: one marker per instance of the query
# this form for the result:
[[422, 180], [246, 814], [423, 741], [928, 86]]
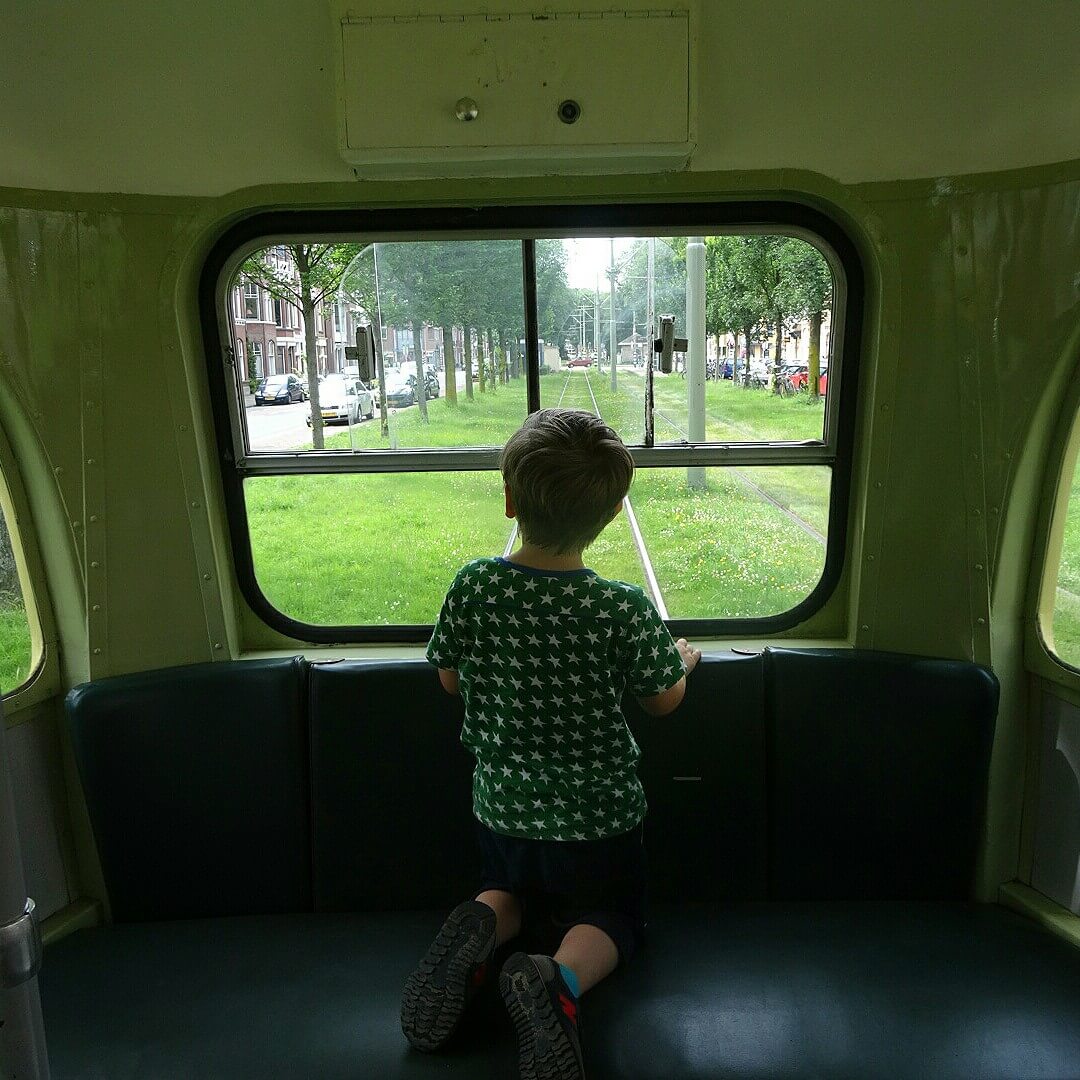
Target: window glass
[[1065, 626], [376, 549], [755, 291], [437, 305], [340, 536], [16, 660]]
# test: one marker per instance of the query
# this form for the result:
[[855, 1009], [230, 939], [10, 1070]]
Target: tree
[[785, 278], [303, 275], [731, 306], [811, 297], [359, 287], [406, 273]]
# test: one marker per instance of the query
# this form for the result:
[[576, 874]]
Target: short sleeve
[[444, 649], [653, 661]]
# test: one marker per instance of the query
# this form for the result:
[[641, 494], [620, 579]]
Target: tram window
[[1064, 638], [735, 522], [756, 291], [450, 315], [17, 661]]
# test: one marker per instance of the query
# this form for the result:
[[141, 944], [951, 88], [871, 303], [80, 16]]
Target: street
[[283, 427]]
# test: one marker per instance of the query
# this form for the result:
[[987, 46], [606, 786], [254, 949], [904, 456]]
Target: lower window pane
[[382, 549], [728, 543], [15, 653]]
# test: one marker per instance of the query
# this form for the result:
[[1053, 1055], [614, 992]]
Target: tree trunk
[[515, 358], [481, 370], [493, 365], [467, 335], [301, 256], [421, 388], [504, 352], [380, 371], [735, 359], [774, 377], [449, 367], [814, 360]]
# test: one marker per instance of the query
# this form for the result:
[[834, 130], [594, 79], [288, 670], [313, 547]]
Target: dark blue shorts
[[562, 883]]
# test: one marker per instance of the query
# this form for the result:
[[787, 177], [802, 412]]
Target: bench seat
[[860, 989]]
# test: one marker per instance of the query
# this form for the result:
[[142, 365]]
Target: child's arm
[[449, 679], [668, 701]]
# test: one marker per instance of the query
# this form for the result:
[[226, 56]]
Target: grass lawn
[[14, 648], [342, 549]]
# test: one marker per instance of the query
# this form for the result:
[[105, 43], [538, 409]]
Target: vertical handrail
[[22, 1032]]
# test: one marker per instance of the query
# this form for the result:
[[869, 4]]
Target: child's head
[[567, 473]]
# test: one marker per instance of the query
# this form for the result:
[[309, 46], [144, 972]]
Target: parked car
[[344, 399], [580, 361], [800, 377], [279, 390], [400, 391]]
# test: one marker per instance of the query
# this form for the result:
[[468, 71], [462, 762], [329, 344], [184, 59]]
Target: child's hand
[[689, 654]]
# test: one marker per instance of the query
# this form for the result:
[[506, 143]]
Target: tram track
[[651, 581]]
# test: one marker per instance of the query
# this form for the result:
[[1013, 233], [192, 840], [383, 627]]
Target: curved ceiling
[[205, 98]]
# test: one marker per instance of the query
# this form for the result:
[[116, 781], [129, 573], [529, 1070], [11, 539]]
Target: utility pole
[[650, 313], [695, 358], [596, 323], [613, 345]]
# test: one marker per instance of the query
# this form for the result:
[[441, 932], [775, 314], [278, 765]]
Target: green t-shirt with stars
[[543, 658]]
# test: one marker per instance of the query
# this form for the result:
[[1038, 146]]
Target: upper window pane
[[448, 324], [16, 659], [767, 305]]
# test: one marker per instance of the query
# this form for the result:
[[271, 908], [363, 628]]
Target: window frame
[[528, 223]]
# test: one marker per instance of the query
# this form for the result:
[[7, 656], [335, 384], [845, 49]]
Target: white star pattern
[[570, 730]]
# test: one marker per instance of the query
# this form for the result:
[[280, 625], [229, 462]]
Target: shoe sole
[[545, 1051], [434, 997]]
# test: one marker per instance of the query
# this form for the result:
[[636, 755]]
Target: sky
[[587, 259]]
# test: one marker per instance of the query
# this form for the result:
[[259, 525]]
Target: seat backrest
[[391, 788], [788, 775], [877, 773], [196, 779]]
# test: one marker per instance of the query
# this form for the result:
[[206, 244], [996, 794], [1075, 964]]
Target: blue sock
[[570, 979]]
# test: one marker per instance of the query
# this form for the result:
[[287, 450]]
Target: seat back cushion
[[703, 770], [877, 773], [196, 780], [391, 788]]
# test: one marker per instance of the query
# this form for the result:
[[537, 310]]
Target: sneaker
[[544, 1013], [448, 977]]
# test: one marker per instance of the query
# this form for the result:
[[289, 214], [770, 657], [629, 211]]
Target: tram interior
[[234, 789]]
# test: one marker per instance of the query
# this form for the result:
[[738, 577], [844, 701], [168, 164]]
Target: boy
[[541, 649]]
